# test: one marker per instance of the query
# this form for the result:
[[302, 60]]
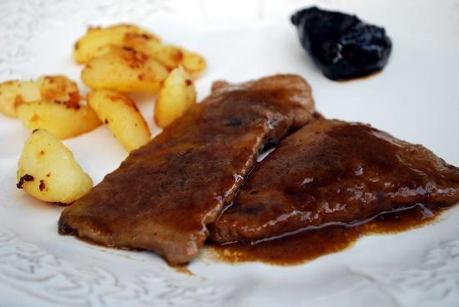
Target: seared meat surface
[[333, 172], [164, 194]]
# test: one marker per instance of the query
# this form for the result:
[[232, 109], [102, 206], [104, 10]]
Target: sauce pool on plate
[[310, 244]]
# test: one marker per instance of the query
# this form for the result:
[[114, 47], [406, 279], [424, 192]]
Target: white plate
[[416, 98]]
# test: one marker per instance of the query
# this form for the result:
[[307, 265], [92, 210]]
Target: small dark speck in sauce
[[311, 244], [234, 122]]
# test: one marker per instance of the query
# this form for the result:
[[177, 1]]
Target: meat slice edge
[[164, 194], [333, 172]]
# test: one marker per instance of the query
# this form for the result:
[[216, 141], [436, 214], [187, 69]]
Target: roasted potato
[[122, 117], [48, 171], [49, 88], [169, 55], [61, 120], [176, 96], [13, 93], [97, 41], [124, 70], [59, 89], [193, 63], [172, 56]]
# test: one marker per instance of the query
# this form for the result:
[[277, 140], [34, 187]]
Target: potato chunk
[[124, 70], [48, 171], [14, 92], [49, 88], [176, 96], [61, 120], [59, 89], [170, 56], [100, 41], [122, 117], [97, 41]]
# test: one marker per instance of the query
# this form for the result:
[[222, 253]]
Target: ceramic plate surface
[[416, 98]]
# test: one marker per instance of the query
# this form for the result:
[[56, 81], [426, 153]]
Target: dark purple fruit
[[342, 45]]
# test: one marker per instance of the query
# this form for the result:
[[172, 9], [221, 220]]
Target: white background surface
[[415, 98]]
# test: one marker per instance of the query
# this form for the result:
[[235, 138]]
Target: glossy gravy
[[310, 244]]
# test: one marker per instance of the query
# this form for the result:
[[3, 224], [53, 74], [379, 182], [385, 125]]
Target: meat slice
[[163, 195], [333, 172]]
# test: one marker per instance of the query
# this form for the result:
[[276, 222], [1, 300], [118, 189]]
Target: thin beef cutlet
[[333, 172], [164, 194]]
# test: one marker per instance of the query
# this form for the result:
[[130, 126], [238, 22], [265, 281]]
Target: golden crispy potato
[[61, 120], [49, 88], [48, 171], [194, 63], [97, 41], [122, 117], [169, 55], [15, 92], [124, 70], [172, 56], [176, 96], [59, 89]]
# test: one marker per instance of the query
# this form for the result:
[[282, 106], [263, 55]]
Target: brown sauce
[[311, 244], [183, 269]]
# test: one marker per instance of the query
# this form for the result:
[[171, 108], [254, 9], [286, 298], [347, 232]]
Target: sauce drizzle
[[310, 244]]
